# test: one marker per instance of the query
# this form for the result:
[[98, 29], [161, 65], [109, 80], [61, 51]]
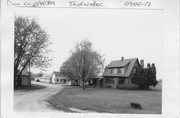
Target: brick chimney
[[142, 63], [122, 58]]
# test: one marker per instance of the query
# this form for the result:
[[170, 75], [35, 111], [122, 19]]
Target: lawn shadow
[[29, 88], [158, 88], [91, 88]]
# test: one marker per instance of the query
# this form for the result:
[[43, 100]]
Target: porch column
[[116, 81]]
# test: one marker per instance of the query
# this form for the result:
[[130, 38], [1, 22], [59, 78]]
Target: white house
[[57, 78], [73, 82], [45, 78]]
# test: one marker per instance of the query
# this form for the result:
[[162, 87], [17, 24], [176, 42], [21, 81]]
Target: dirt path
[[34, 100]]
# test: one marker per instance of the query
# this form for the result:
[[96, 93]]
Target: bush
[[128, 86]]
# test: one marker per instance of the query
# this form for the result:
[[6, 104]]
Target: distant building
[[57, 78], [73, 82], [121, 72], [25, 80], [96, 81], [78, 82], [45, 78]]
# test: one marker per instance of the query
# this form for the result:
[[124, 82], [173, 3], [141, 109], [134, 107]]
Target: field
[[107, 100]]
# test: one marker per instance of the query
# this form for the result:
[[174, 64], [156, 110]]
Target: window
[[121, 80], [134, 70], [119, 70], [110, 71], [109, 80], [133, 80], [114, 70]]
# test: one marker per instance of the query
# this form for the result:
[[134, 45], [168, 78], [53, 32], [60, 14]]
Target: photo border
[[170, 49]]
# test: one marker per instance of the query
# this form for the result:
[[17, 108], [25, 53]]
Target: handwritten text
[[85, 4], [137, 4]]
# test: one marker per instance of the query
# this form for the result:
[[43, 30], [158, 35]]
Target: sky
[[113, 32]]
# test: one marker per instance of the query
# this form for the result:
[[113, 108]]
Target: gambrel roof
[[128, 63], [118, 63]]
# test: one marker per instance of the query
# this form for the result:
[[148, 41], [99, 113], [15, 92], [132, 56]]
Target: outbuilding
[[25, 80]]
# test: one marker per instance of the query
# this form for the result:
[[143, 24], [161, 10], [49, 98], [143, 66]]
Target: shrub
[[128, 86]]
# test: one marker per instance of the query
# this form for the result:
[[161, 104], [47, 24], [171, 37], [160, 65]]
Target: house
[[57, 78], [77, 82], [45, 78], [96, 81], [121, 73], [73, 82]]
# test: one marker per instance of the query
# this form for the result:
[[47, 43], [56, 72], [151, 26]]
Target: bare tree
[[30, 45], [83, 63]]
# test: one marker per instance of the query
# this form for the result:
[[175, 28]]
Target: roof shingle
[[120, 64]]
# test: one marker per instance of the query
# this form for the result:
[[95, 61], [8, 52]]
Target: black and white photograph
[[88, 58], [111, 63]]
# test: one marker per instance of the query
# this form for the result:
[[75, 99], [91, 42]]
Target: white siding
[[115, 71], [122, 70], [53, 79], [57, 79]]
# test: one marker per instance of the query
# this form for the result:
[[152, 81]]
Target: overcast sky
[[113, 32]]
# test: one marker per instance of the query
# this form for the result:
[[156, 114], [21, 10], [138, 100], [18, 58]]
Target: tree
[[83, 63], [30, 46], [146, 77], [153, 81]]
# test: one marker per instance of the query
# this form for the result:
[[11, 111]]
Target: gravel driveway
[[34, 100]]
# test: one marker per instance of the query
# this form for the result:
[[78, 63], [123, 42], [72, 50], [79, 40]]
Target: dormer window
[[120, 70], [115, 70], [110, 71]]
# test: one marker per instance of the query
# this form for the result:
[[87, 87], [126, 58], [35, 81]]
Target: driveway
[[35, 100]]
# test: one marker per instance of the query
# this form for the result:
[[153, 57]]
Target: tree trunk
[[17, 79], [83, 84]]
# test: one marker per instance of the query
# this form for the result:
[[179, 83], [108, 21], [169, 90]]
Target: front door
[[101, 82]]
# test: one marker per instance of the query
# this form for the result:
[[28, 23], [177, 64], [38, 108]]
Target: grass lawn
[[29, 88], [108, 100]]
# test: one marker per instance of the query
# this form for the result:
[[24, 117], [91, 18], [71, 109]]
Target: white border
[[171, 80]]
